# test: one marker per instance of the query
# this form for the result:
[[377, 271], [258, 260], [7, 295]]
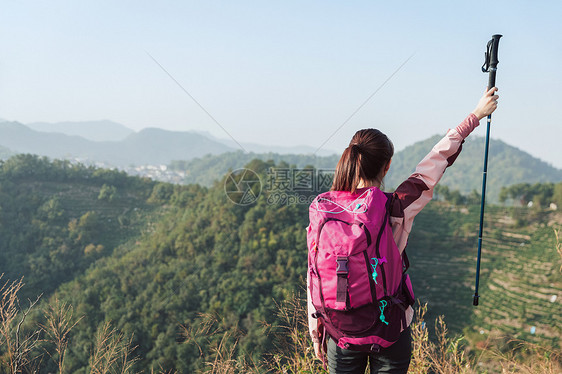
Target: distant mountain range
[[265, 148], [110, 131], [148, 146], [98, 131], [115, 144]]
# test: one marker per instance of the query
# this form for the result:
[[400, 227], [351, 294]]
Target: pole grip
[[493, 50], [492, 78], [491, 61]]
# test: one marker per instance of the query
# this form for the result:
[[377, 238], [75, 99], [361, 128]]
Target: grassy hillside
[[188, 264], [519, 270], [522, 279]]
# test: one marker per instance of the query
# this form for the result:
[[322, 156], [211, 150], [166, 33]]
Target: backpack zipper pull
[[381, 308], [374, 266]]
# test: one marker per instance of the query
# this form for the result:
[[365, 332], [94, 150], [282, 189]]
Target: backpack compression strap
[[341, 272]]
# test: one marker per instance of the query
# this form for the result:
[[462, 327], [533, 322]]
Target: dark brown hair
[[367, 154]]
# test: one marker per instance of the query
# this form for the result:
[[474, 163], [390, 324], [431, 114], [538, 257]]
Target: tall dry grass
[[433, 350], [222, 356], [24, 349], [17, 344], [440, 355], [56, 330], [295, 352], [113, 352]]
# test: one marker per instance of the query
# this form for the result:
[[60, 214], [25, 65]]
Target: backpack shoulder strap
[[388, 209], [389, 204], [405, 262]]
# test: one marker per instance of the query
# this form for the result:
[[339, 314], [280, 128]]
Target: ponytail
[[367, 154]]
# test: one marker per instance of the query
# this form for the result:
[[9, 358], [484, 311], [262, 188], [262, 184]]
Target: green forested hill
[[56, 218], [175, 257], [207, 170], [507, 165], [205, 255]]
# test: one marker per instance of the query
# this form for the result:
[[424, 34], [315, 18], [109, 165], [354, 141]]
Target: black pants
[[393, 359]]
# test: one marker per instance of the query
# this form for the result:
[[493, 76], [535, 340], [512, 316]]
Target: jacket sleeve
[[416, 191]]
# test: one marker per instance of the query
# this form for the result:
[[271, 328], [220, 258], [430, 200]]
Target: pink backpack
[[358, 282]]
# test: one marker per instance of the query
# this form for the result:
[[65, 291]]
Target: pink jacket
[[414, 193]]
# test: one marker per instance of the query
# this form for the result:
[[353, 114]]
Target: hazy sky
[[285, 72]]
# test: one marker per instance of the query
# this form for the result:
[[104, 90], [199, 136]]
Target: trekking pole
[[490, 66]]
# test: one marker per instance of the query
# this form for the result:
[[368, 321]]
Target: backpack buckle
[[341, 265]]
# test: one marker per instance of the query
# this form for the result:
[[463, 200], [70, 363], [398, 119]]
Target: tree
[[107, 192], [557, 195]]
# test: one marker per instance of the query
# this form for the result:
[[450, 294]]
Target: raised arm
[[416, 191]]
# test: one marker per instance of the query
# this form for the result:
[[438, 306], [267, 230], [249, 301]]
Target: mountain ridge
[[265, 148], [148, 146], [101, 130]]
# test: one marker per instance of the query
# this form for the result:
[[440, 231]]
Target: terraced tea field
[[520, 283]]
